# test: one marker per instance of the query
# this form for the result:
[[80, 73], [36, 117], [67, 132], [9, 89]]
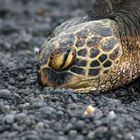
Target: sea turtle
[[98, 52]]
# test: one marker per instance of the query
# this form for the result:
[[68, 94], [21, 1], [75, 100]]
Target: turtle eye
[[68, 59], [62, 59]]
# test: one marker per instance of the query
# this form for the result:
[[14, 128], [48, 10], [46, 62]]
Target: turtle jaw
[[50, 78]]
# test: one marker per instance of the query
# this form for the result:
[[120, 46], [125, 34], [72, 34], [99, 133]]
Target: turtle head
[[55, 59], [78, 56]]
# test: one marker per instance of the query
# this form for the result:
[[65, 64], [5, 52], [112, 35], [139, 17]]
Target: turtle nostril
[[62, 59]]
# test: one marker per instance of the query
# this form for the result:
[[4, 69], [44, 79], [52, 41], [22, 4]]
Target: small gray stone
[[1, 106], [36, 105], [5, 94], [9, 119], [20, 117], [40, 125], [32, 137], [48, 110], [24, 106], [74, 97], [90, 135], [6, 108], [57, 127], [7, 46], [62, 138], [17, 98], [97, 113], [29, 135], [68, 127], [79, 137], [60, 113], [97, 132], [72, 133], [79, 125], [111, 115]]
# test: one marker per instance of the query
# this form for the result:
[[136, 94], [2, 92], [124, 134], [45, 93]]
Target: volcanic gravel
[[29, 112]]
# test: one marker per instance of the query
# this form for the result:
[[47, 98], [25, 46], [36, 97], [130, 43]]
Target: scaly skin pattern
[[99, 60]]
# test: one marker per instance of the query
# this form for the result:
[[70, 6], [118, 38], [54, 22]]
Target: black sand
[[28, 112]]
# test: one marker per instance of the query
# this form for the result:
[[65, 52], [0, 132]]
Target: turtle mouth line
[[51, 78]]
